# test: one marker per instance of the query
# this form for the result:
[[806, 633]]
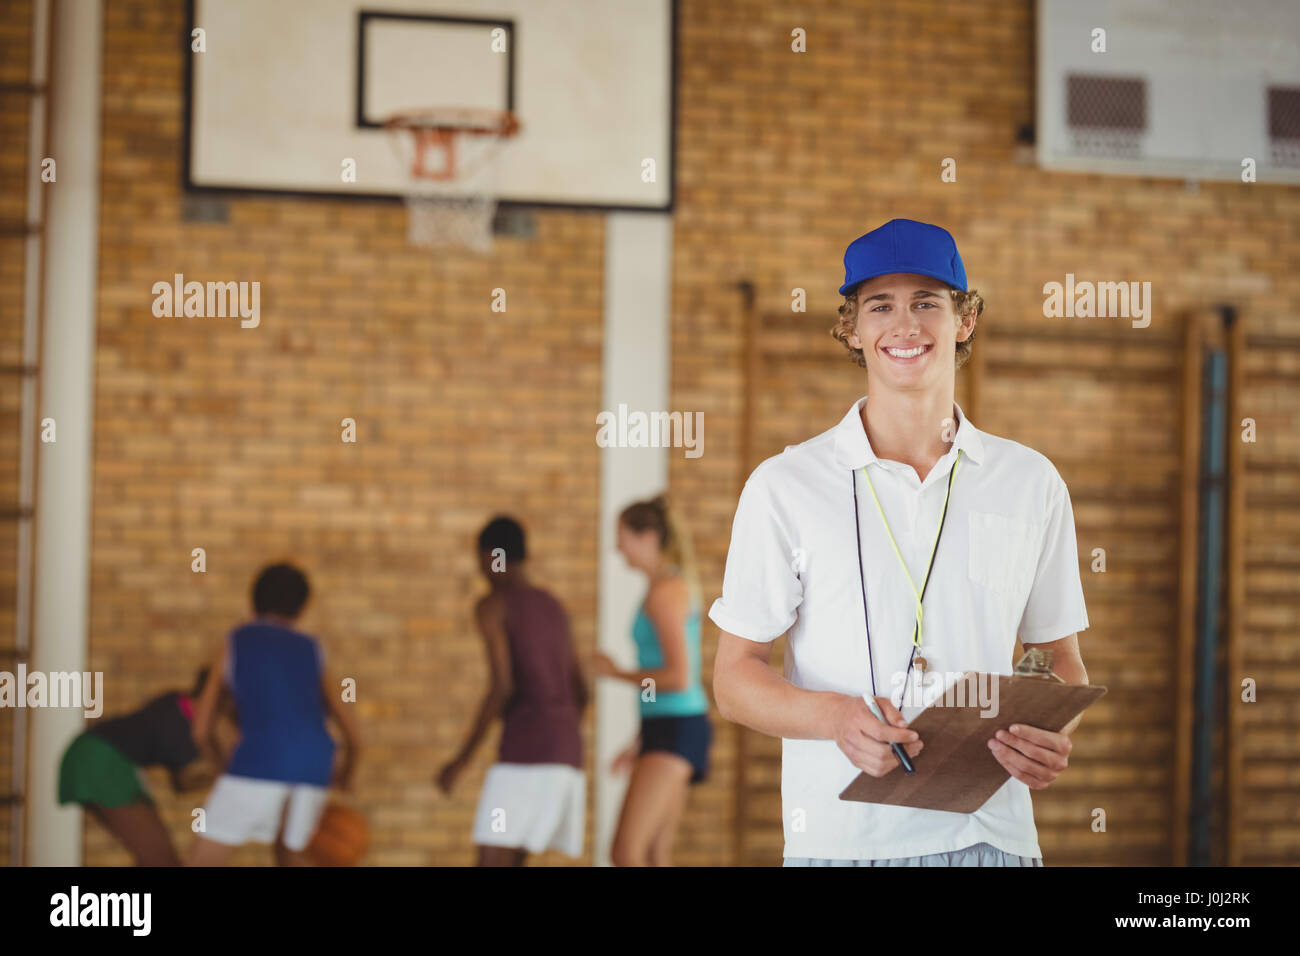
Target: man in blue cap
[[899, 548]]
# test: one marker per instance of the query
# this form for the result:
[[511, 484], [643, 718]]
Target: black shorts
[[688, 737]]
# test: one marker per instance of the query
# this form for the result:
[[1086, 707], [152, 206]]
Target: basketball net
[[451, 156]]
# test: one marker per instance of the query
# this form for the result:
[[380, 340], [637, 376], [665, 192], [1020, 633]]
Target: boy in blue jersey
[[275, 787]]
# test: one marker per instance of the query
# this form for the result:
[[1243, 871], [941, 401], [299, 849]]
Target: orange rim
[[438, 127]]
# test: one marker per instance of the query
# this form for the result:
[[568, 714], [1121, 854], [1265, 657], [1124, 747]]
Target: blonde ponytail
[[659, 515]]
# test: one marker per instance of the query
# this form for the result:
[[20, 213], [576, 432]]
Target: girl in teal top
[[650, 656], [672, 750]]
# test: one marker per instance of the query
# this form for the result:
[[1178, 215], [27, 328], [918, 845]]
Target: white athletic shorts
[[533, 807], [246, 810]]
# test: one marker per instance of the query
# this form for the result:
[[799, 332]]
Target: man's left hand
[[1032, 755]]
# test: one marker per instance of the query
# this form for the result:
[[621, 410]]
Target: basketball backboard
[[285, 92]]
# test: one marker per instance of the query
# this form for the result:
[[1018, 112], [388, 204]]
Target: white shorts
[[243, 809], [533, 807]]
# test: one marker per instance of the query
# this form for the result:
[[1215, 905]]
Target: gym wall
[[208, 435]]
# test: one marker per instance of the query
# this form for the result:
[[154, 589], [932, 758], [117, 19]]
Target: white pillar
[[61, 607], [637, 352]]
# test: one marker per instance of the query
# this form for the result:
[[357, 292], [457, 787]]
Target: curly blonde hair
[[963, 303]]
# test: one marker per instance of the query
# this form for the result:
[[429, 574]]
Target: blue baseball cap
[[903, 245]]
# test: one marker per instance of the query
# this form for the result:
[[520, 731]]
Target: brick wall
[[212, 436], [1270, 754], [15, 56]]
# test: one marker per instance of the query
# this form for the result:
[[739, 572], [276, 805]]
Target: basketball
[[342, 837]]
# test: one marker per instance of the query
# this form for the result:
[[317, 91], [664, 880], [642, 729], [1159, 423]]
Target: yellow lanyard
[[918, 593]]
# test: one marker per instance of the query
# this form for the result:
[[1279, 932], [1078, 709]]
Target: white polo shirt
[[1007, 565]]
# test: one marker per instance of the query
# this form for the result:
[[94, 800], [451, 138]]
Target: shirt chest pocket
[[1003, 553]]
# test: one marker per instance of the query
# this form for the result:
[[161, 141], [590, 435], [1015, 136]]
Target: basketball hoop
[[451, 155]]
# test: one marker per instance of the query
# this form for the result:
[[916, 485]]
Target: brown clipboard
[[956, 771]]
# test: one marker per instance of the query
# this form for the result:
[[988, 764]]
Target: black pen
[[903, 760]]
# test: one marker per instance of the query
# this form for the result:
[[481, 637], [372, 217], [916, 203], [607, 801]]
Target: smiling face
[[908, 332]]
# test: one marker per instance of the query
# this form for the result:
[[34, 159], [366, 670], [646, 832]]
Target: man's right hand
[[865, 740]]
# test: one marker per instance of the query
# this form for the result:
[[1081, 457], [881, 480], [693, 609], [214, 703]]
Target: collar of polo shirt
[[853, 450]]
